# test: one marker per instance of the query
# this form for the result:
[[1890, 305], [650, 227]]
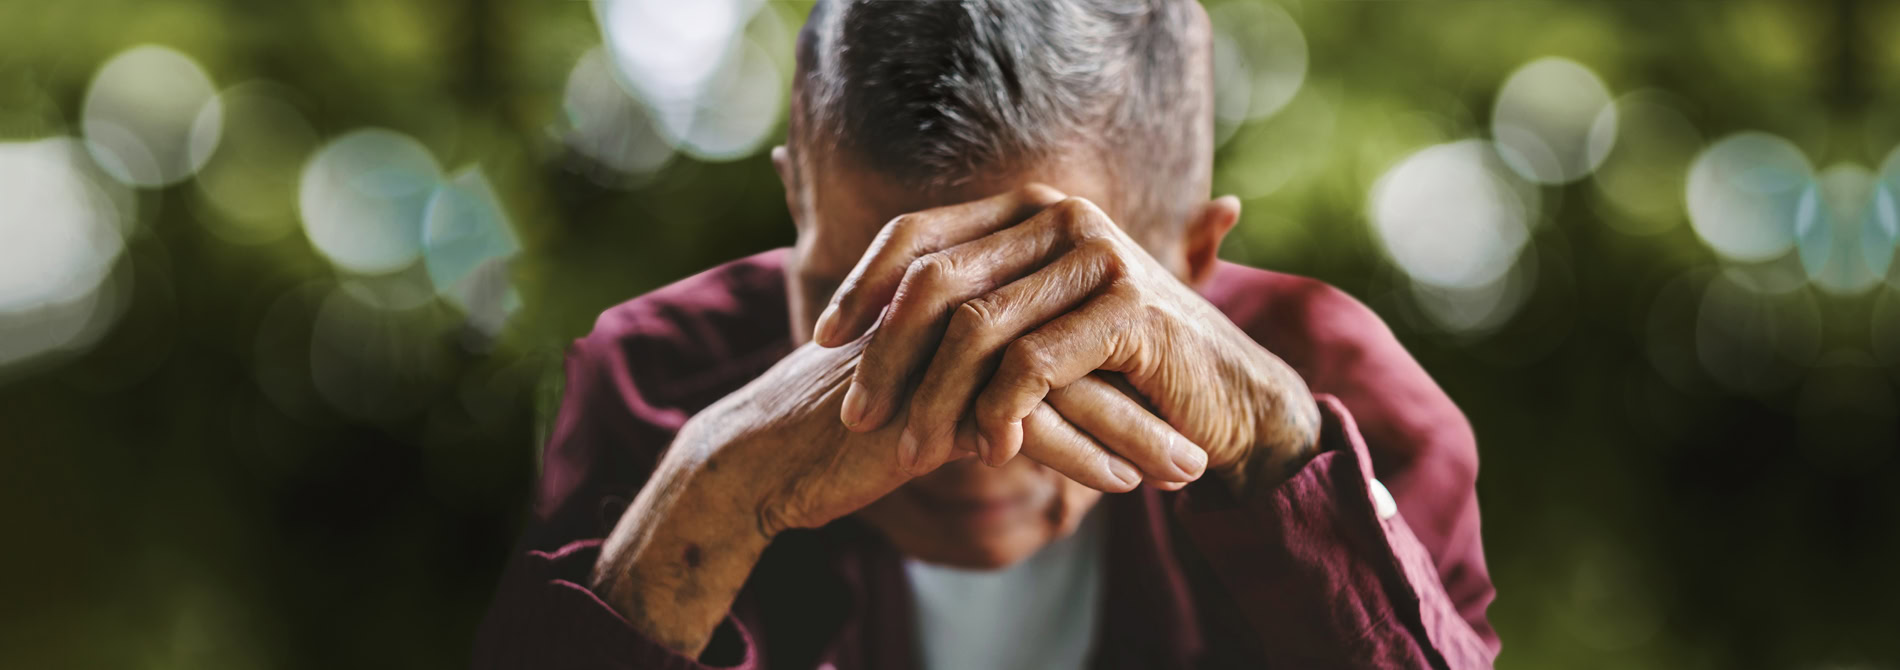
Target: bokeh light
[[714, 92], [467, 243], [1553, 121], [1881, 232], [669, 50], [363, 196], [1259, 61], [1743, 193], [609, 126], [739, 110], [62, 238], [249, 179], [1641, 179], [1477, 310], [151, 116], [1269, 155], [1842, 209], [1780, 274], [1452, 216]]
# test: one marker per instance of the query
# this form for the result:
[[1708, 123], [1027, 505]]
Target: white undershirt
[[1040, 613]]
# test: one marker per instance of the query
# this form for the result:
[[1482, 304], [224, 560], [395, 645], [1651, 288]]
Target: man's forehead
[[852, 204]]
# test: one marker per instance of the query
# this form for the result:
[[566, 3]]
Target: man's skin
[[1004, 294]]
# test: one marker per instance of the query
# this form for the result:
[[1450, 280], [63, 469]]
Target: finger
[[1054, 442], [912, 328], [1126, 427], [965, 447], [938, 282], [981, 327], [1102, 334], [871, 284]]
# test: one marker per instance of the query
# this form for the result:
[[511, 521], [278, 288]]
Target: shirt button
[[1382, 501]]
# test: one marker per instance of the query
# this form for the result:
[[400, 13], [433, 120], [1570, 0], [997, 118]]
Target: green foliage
[[181, 494]]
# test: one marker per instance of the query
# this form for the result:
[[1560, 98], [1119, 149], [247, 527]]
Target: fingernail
[[826, 323], [1127, 474], [854, 400], [983, 449], [1192, 461], [907, 451]]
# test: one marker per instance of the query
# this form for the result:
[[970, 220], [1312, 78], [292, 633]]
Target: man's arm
[[1323, 577], [608, 435], [681, 552], [1420, 445], [659, 591]]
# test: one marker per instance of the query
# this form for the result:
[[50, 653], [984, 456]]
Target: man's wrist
[[679, 555], [1286, 430]]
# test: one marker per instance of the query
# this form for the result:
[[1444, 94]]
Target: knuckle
[[1083, 218], [1038, 192], [976, 317], [1105, 250], [929, 275], [904, 227], [1027, 360], [933, 270]]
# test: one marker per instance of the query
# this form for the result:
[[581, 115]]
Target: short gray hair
[[932, 92]]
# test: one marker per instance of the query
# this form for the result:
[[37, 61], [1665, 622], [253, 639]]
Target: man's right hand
[[772, 456]]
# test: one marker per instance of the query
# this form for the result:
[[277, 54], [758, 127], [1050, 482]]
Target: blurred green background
[[284, 287]]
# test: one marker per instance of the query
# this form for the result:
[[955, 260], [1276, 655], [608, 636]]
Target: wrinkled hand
[[779, 439], [769, 457], [995, 316]]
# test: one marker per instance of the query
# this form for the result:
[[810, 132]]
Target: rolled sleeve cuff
[[545, 618], [1320, 574]]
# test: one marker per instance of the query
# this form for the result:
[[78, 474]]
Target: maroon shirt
[[1307, 577]]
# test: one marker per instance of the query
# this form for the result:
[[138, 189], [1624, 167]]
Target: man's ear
[[787, 169], [1205, 231]]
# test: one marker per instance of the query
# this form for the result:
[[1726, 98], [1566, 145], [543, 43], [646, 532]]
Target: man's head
[[904, 105]]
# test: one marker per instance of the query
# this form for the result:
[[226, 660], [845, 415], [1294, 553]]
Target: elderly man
[[888, 447]]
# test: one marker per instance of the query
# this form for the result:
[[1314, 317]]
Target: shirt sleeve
[[1323, 580], [544, 618]]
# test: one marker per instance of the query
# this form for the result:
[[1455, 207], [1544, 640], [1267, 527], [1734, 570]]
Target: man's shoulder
[[1313, 325], [694, 339], [1289, 304]]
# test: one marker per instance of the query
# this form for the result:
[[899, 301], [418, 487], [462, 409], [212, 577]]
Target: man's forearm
[[679, 555]]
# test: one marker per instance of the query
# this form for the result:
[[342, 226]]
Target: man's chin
[[989, 555], [949, 542]]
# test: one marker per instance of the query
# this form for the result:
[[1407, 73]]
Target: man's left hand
[[1000, 316]]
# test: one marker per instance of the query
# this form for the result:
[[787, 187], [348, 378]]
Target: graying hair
[[934, 92]]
